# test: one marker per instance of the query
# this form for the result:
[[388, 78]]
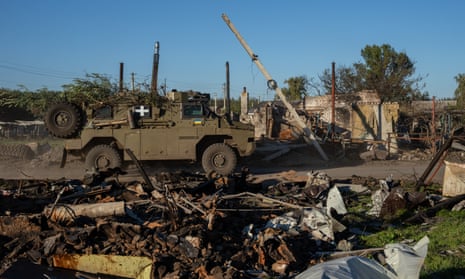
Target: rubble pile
[[415, 155], [183, 225]]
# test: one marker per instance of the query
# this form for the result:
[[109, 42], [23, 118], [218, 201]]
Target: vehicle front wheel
[[219, 158], [103, 157]]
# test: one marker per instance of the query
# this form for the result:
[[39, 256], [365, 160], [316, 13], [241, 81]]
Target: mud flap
[[63, 158]]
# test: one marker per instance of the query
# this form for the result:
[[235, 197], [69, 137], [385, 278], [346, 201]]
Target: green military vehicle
[[175, 126]]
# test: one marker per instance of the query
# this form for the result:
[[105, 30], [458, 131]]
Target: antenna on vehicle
[[121, 71], [156, 57]]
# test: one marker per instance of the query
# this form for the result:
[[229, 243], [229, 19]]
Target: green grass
[[446, 250]]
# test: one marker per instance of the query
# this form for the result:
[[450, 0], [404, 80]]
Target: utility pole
[[272, 84], [132, 81], [228, 92], [333, 99], [215, 96], [121, 78]]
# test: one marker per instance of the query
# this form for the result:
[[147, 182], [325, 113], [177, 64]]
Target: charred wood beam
[[449, 203]]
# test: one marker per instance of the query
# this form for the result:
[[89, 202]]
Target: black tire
[[103, 157], [63, 120], [20, 151], [219, 158]]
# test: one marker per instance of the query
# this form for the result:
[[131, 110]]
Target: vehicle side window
[[192, 110], [103, 112]]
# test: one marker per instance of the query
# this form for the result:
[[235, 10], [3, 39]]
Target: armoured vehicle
[[176, 126]]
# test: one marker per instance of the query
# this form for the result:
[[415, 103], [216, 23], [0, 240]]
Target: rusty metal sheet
[[123, 266]]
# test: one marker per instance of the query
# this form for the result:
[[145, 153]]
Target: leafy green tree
[[39, 101], [34, 102], [459, 93], [297, 87], [385, 70], [388, 72], [7, 98], [93, 88]]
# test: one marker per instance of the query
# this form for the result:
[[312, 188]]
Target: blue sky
[[48, 43]]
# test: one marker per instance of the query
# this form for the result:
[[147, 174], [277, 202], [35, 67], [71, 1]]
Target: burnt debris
[[185, 225]]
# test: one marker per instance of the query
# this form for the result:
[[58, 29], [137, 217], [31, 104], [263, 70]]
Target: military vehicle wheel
[[103, 157], [20, 151], [219, 158], [63, 120]]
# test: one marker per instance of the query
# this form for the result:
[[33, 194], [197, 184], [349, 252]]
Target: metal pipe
[[121, 71], [433, 125], [333, 100], [156, 57], [228, 89]]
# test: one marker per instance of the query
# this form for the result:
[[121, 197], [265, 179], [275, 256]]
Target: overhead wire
[[37, 71], [66, 75]]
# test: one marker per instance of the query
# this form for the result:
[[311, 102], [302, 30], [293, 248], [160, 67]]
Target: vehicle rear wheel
[[219, 158], [103, 157], [63, 120]]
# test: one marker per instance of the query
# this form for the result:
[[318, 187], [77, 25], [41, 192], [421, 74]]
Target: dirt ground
[[302, 160]]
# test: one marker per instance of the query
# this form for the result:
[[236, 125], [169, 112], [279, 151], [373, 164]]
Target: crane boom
[[272, 84]]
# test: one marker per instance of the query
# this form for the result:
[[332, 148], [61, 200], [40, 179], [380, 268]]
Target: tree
[[459, 93], [94, 87], [385, 70], [40, 100], [34, 102], [388, 72], [297, 87]]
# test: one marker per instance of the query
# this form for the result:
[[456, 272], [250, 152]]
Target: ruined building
[[359, 116]]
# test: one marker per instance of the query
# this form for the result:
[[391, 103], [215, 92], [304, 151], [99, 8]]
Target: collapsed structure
[[361, 117]]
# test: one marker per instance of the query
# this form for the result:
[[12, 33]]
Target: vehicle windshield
[[192, 110]]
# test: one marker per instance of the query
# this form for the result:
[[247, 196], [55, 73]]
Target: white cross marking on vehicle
[[141, 110]]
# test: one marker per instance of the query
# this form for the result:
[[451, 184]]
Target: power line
[[37, 71]]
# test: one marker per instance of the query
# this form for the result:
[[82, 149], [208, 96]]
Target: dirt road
[[74, 169]]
